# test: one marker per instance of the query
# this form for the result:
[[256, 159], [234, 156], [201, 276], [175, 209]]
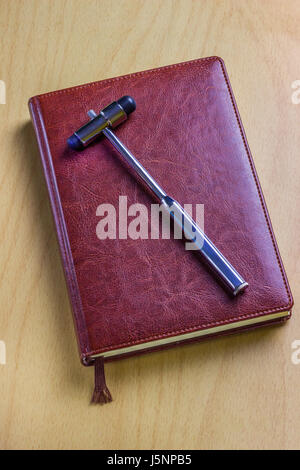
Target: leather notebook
[[135, 295]]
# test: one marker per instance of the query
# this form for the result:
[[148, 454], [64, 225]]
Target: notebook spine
[[62, 235]]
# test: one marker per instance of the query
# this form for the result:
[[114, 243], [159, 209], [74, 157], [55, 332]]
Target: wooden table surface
[[236, 392]]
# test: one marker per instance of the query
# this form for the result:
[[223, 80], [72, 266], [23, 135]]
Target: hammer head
[[111, 116]]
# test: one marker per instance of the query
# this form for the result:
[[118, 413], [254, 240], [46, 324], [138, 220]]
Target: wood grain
[[232, 393]]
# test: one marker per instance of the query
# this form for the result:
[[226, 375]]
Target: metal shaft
[[135, 164], [213, 257]]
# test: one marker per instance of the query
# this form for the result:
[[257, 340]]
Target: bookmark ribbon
[[101, 393]]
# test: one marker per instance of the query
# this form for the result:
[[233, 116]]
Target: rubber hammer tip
[[127, 103], [74, 143]]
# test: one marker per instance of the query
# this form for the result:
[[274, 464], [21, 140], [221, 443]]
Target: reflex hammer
[[109, 118]]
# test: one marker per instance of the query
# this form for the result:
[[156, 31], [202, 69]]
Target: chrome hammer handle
[[213, 257]]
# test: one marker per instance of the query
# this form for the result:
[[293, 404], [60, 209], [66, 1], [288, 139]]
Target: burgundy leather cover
[[187, 132]]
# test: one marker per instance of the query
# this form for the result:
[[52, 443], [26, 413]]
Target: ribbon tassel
[[101, 393]]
